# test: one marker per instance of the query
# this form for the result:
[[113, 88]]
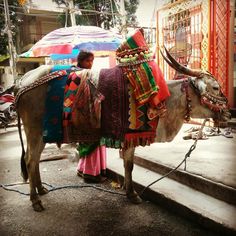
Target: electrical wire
[[85, 2], [12, 6], [57, 13], [34, 14]]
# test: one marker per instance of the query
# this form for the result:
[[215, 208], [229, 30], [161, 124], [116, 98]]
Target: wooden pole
[[123, 17], [10, 40], [72, 12]]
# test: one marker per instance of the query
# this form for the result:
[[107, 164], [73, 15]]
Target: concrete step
[[233, 112], [216, 190], [206, 210], [232, 123]]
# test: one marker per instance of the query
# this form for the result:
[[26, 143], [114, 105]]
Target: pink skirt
[[94, 163]]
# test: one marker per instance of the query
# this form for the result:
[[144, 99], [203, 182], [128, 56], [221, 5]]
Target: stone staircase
[[232, 122], [217, 190], [201, 200], [204, 193]]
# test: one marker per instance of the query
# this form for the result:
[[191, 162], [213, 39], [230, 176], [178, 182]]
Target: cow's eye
[[216, 88]]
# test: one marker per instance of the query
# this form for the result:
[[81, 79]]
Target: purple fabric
[[114, 117]]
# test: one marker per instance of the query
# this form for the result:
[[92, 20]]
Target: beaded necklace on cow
[[184, 88], [132, 57]]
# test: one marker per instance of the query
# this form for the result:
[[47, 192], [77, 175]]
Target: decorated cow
[[126, 106]]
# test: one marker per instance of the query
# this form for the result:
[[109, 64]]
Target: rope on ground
[[52, 188], [183, 161]]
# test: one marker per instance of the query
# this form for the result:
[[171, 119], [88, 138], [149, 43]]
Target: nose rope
[[183, 161]]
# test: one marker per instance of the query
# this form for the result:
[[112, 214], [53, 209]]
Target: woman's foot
[[94, 179], [80, 173], [103, 179], [103, 173], [91, 178]]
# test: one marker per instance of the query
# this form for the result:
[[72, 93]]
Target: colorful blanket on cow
[[123, 122], [127, 115], [142, 80], [52, 121], [142, 127], [82, 108], [58, 125], [114, 117], [138, 115]]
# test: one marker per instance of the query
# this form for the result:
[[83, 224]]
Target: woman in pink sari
[[92, 167]]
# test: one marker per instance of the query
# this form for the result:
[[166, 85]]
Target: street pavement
[[78, 211]]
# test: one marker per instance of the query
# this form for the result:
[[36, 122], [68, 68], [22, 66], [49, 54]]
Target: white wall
[[146, 12], [7, 79]]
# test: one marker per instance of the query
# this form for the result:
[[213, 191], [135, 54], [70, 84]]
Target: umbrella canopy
[[65, 40]]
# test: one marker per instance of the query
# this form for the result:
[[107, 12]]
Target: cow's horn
[[181, 68], [168, 61]]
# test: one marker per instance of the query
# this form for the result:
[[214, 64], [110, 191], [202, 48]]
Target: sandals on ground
[[213, 132], [192, 129], [194, 135], [227, 133], [209, 133]]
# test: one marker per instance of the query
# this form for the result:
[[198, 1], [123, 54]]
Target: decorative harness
[[184, 88], [213, 102]]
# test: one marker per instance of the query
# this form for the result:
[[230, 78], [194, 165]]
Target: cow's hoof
[[135, 199], [43, 191], [38, 206]]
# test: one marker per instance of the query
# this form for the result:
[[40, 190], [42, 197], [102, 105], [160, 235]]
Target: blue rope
[[52, 188]]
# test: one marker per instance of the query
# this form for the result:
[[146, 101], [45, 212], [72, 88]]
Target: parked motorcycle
[[7, 108]]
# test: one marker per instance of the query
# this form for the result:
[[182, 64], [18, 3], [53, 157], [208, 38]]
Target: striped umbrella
[[70, 39]]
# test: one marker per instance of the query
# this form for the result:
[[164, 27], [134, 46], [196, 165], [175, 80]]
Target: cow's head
[[206, 86]]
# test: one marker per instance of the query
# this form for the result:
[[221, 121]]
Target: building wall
[[37, 21], [6, 77], [33, 29], [234, 51]]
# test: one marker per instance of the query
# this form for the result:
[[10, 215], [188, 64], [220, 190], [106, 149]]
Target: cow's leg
[[34, 149], [31, 108], [41, 189], [128, 156]]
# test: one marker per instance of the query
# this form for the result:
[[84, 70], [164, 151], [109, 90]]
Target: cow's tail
[[24, 171]]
